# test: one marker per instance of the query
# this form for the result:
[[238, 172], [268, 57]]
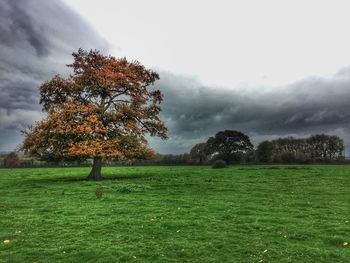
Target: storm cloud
[[37, 38], [194, 112]]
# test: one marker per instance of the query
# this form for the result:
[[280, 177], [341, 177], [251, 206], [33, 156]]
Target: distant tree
[[317, 148], [325, 147], [185, 158], [198, 153], [11, 160], [251, 157], [228, 145], [287, 157], [265, 152], [104, 109], [335, 148]]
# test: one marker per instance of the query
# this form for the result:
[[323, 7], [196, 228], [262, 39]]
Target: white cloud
[[229, 43]]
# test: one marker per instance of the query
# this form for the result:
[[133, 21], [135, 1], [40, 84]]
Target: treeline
[[317, 148], [18, 160], [233, 147]]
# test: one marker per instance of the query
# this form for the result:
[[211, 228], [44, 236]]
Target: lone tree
[[104, 109], [230, 146]]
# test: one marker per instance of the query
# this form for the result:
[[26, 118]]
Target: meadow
[[176, 214]]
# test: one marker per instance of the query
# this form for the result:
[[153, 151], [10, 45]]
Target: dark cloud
[[194, 112], [37, 38]]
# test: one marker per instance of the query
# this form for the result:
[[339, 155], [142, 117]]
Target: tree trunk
[[95, 173]]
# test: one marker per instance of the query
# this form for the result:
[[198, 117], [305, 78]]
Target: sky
[[267, 68]]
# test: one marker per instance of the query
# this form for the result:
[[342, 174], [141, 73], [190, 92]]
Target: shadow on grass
[[261, 168], [277, 168], [297, 168], [271, 168], [116, 177], [72, 179]]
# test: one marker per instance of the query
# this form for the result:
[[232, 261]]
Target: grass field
[[176, 214]]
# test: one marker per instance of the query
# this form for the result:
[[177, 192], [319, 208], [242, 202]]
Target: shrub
[[219, 164]]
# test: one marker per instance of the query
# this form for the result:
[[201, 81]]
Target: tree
[[198, 152], [317, 148], [230, 146], [335, 148], [265, 152], [104, 109], [325, 147], [11, 160]]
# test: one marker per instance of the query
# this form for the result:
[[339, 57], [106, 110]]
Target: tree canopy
[[198, 153], [103, 109], [316, 148], [264, 152], [229, 145]]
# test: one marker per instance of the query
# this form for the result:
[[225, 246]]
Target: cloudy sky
[[267, 68]]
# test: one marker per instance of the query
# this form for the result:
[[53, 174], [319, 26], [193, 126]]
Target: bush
[[219, 164]]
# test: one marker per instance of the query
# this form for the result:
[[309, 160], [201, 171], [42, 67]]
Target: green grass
[[176, 214]]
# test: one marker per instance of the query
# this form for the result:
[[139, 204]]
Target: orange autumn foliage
[[103, 109]]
